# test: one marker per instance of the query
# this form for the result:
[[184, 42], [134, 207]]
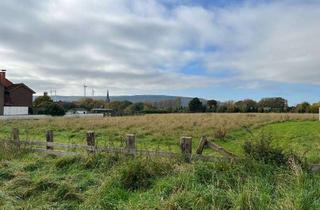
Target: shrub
[[263, 151], [55, 110]]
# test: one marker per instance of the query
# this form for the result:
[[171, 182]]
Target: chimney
[[2, 77]]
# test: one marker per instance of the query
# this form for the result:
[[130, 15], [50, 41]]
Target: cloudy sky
[[212, 49]]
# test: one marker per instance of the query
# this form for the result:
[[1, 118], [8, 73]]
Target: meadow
[[37, 181], [163, 131]]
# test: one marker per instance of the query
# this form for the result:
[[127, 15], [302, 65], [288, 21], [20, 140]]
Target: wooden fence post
[[15, 137], [49, 138], [91, 140], [202, 144], [221, 150], [15, 134], [186, 147], [131, 143]]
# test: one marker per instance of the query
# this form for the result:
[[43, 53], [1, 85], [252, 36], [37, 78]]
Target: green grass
[[300, 137], [33, 181], [297, 133], [36, 181]]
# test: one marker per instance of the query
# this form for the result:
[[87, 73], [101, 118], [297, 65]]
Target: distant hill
[[133, 98]]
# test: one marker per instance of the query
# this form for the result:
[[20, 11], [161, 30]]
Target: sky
[[224, 50]]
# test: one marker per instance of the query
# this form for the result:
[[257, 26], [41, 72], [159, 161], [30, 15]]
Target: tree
[[212, 105], [148, 108], [221, 107], [247, 105], [42, 102], [315, 108], [67, 105], [55, 110], [303, 107], [171, 105], [119, 106], [134, 108], [276, 104], [195, 105], [89, 103], [231, 107]]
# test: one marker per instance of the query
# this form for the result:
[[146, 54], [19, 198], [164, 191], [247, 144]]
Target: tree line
[[275, 104], [45, 105]]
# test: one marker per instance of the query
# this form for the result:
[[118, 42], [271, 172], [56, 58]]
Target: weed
[[220, 133], [263, 151]]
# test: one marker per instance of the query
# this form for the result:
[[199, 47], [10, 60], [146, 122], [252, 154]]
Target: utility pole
[[92, 92]]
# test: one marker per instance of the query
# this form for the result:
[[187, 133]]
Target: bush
[[55, 110], [263, 151]]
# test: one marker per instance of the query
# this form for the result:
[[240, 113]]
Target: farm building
[[77, 111], [15, 99]]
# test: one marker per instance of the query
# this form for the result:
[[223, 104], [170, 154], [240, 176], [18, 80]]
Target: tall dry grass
[[164, 128]]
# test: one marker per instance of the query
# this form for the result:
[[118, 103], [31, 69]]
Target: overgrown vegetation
[[268, 176], [30, 181], [263, 151]]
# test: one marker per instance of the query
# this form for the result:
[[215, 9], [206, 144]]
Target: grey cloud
[[131, 46]]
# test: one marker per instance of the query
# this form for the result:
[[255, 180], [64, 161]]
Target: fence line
[[51, 147]]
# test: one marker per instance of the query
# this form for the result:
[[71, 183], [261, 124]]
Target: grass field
[[35, 181], [164, 131]]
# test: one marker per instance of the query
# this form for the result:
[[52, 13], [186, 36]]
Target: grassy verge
[[30, 181]]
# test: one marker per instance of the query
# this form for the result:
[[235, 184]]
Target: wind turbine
[[92, 92], [85, 90]]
